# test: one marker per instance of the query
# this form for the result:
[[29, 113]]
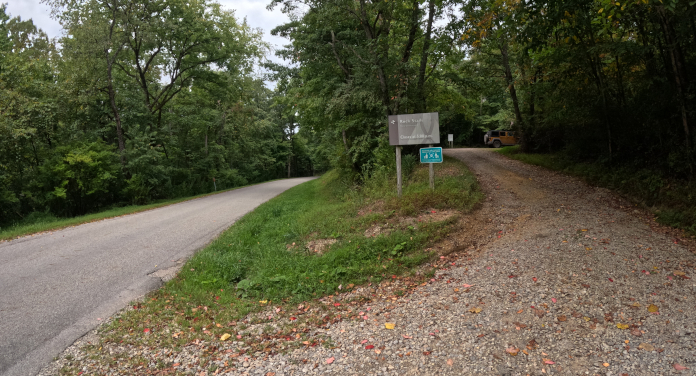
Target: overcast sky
[[254, 10]]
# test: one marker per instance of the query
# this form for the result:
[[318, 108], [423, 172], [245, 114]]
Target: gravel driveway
[[564, 279]]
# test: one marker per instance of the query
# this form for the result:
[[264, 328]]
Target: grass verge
[[267, 262], [46, 222], [673, 201]]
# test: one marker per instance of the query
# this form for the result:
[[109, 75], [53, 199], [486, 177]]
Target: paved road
[[56, 287]]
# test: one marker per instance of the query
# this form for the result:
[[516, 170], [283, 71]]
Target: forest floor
[[548, 276]]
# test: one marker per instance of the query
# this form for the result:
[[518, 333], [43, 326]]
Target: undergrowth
[[672, 200]]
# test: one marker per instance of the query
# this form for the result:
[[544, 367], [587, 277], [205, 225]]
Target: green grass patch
[[262, 260], [39, 222], [672, 200]]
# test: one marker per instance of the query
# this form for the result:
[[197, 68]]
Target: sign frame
[[431, 152], [414, 129]]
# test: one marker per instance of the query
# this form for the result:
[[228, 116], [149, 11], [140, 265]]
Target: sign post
[[431, 155], [450, 138], [412, 129]]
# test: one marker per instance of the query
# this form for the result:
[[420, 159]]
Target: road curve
[[57, 286]]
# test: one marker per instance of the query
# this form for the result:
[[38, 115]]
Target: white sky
[[254, 10]]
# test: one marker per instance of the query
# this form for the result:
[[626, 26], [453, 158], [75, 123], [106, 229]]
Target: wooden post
[[398, 170], [432, 174]]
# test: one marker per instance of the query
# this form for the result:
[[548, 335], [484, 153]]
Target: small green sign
[[431, 155]]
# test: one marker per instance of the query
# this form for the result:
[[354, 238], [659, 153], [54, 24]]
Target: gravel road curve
[[564, 279], [57, 286]]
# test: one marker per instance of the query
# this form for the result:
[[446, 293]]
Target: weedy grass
[[262, 261], [673, 201], [41, 222]]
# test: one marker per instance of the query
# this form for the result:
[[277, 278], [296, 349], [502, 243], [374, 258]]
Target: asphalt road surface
[[57, 286]]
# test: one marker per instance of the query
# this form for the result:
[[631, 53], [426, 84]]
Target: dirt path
[[549, 276], [559, 269]]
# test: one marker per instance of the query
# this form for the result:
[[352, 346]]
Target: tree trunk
[[677, 69], [114, 109], [510, 82], [421, 105]]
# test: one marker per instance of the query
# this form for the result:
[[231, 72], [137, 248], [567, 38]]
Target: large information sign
[[414, 129]]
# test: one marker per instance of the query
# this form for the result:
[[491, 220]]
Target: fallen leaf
[[389, 325], [679, 273], [330, 360], [636, 332], [646, 347], [406, 337], [512, 350], [548, 361], [520, 311], [225, 337], [263, 301], [532, 344], [622, 326], [562, 318], [635, 305], [534, 279], [611, 280], [369, 347], [450, 362], [679, 367], [476, 310], [363, 342], [553, 300], [586, 318], [467, 286], [653, 308], [147, 330], [605, 364], [337, 304]]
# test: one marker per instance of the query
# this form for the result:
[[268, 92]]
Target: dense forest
[[143, 100]]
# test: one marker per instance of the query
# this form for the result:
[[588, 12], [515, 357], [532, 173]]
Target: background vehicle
[[500, 138]]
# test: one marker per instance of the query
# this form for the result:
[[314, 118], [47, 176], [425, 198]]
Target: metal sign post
[[450, 138], [412, 129], [431, 155]]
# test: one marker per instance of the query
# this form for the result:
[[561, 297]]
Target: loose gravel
[[564, 278]]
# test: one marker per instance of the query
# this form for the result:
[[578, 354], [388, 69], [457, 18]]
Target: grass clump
[[672, 200]]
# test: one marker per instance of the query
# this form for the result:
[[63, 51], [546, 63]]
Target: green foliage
[[139, 102], [82, 177]]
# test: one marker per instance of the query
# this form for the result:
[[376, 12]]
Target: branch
[[338, 59]]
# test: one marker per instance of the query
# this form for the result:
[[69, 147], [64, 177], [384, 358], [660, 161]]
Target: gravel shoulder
[[549, 276]]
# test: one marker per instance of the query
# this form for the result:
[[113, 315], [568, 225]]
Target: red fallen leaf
[[553, 300], [363, 342], [147, 330], [611, 280], [512, 276], [369, 347], [680, 367], [239, 336], [548, 361], [534, 279], [467, 286], [406, 337], [337, 304], [293, 318], [433, 211], [330, 360]]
